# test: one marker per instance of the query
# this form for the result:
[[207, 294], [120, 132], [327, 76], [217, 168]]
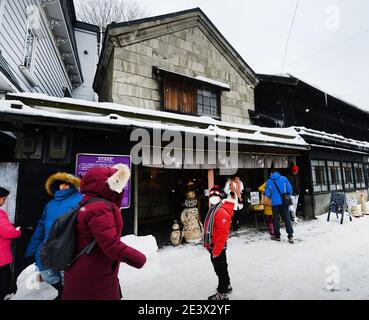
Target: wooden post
[[210, 178], [135, 221]]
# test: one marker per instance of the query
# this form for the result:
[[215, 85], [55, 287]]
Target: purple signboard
[[85, 161]]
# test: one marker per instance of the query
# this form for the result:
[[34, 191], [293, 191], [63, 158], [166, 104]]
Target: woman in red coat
[[95, 276], [7, 232], [216, 232]]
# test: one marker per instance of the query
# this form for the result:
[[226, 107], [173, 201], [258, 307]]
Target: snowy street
[[264, 269], [325, 255]]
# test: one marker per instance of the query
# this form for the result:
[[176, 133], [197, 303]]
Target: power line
[[289, 35], [330, 47]]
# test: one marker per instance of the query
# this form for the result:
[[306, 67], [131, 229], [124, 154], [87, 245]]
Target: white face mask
[[214, 200]]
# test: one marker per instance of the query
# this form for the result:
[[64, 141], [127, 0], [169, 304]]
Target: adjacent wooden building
[[336, 131], [44, 49]]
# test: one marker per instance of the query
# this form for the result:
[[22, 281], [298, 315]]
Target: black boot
[[58, 286]]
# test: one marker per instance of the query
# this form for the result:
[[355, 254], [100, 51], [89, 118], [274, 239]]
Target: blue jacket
[[271, 191], [64, 201]]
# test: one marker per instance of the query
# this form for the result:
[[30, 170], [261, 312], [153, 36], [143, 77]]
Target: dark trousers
[[281, 211], [236, 219], [221, 269], [5, 280]]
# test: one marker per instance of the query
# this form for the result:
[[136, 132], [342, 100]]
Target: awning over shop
[[252, 144]]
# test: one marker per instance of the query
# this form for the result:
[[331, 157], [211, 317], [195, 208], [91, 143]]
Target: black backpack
[[59, 251]]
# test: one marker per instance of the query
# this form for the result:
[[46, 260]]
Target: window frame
[[348, 186], [322, 165], [214, 92], [337, 185], [362, 184], [173, 80], [366, 173]]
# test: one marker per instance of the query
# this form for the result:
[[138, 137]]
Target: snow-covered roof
[[10, 134], [332, 138], [317, 87], [121, 115]]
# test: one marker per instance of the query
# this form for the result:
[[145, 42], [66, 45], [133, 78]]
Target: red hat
[[216, 191], [295, 168]]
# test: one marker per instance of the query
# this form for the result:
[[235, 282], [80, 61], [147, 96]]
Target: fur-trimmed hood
[[61, 176], [106, 182]]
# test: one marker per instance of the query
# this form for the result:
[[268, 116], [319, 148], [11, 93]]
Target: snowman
[[190, 218], [176, 234]]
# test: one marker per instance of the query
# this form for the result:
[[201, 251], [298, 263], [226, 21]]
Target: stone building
[[177, 62]]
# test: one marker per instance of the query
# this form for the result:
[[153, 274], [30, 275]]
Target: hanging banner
[[85, 161]]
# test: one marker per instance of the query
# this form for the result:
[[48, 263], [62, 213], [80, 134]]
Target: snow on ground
[[259, 267], [264, 269]]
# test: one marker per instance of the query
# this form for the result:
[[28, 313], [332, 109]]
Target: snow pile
[[145, 244], [152, 268], [30, 288]]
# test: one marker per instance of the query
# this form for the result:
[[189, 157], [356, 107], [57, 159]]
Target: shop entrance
[[161, 194]]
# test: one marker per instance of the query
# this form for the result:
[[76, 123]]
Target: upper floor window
[[191, 95], [207, 102]]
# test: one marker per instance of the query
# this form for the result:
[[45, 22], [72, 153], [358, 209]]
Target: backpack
[[286, 198], [58, 252]]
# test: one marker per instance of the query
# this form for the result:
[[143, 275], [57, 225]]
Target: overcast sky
[[328, 46]]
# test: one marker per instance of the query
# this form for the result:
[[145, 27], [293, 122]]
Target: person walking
[[64, 188], [267, 211], [216, 233], [294, 178], [275, 186], [7, 233], [234, 185], [95, 276]]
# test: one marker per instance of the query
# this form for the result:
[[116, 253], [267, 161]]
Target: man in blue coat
[[64, 188], [279, 210]]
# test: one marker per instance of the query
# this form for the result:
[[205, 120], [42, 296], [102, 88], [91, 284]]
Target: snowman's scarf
[[209, 224]]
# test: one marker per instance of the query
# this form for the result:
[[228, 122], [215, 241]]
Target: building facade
[[42, 49], [178, 63], [336, 131]]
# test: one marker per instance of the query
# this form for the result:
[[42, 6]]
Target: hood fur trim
[[119, 179], [61, 176]]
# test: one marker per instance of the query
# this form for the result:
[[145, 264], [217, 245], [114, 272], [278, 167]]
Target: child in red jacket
[[216, 232], [7, 232]]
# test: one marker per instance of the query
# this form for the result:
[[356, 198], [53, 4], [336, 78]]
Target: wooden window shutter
[[179, 95]]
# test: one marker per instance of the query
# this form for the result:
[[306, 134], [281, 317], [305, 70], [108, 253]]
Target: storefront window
[[334, 175], [348, 175], [359, 175], [366, 168], [320, 181]]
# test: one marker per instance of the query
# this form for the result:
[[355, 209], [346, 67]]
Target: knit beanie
[[3, 192]]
